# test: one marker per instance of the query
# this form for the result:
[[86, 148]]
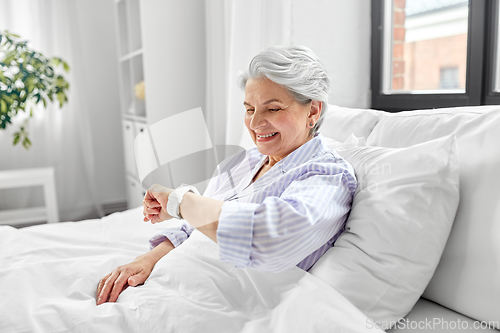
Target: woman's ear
[[315, 111]]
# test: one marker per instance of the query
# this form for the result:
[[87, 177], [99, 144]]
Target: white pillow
[[339, 122], [401, 217], [467, 277]]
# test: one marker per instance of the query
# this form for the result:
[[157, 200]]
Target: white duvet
[[49, 273]]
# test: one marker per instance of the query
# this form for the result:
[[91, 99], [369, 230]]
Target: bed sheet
[[49, 273]]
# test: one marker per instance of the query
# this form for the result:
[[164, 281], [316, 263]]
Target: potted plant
[[27, 78]]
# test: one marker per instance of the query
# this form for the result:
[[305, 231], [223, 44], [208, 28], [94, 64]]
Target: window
[[449, 79], [434, 53]]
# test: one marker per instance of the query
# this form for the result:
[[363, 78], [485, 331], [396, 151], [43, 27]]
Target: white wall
[[99, 54], [339, 32], [174, 56]]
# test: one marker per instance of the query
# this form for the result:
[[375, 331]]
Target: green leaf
[[26, 143], [61, 98], [29, 85], [55, 61], [66, 66], [3, 106], [17, 136], [49, 71], [7, 99], [9, 57]]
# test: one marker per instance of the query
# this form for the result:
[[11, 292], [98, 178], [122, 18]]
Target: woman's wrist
[[175, 199], [158, 252]]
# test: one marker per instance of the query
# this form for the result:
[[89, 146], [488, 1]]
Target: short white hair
[[297, 69]]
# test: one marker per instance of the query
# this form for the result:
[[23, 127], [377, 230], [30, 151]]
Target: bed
[[49, 275]]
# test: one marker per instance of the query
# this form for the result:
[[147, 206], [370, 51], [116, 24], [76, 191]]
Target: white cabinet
[[129, 134], [135, 193], [131, 78], [139, 127]]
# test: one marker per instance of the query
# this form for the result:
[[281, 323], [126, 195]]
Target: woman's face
[[277, 123]]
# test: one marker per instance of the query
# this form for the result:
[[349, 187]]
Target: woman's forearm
[[202, 213], [158, 252]]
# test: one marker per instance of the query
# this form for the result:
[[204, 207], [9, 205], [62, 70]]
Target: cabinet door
[[135, 193], [139, 127], [128, 139]]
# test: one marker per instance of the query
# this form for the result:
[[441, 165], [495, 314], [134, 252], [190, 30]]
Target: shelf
[[134, 17], [131, 74], [135, 118], [130, 55]]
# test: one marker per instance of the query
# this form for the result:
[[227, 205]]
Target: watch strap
[[175, 199]]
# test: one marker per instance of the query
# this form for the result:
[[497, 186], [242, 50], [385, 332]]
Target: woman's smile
[[267, 137]]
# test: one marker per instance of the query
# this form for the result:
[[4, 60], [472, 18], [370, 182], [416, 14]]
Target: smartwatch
[[175, 199]]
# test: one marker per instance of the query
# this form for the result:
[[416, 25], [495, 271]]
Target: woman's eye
[[274, 110], [250, 110]]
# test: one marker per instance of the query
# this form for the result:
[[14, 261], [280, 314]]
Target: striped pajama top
[[289, 216]]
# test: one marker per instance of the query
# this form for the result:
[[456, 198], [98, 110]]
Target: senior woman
[[282, 205]]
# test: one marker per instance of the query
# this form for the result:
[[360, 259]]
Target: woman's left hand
[[155, 204]]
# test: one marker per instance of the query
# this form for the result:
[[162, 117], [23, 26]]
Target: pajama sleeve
[[176, 235]]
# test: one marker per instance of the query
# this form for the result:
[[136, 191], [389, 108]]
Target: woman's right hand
[[133, 274]]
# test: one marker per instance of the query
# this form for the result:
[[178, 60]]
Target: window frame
[[476, 75], [493, 20]]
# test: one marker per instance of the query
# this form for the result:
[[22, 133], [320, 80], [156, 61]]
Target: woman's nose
[[258, 121]]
